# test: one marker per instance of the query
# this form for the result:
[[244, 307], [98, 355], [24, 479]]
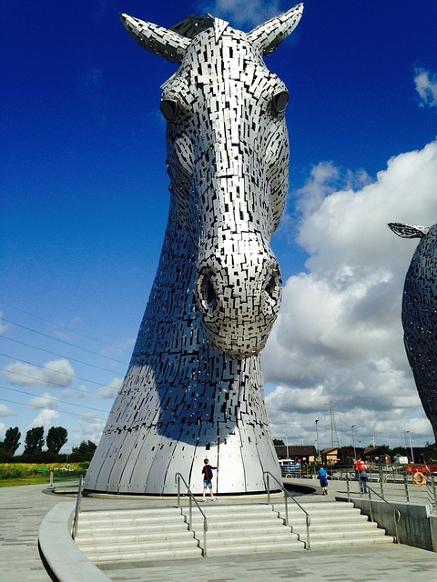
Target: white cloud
[[5, 410], [2, 430], [90, 427], [111, 390], [46, 400], [3, 326], [240, 12], [80, 392], [339, 336], [56, 372], [426, 86], [119, 347], [45, 418]]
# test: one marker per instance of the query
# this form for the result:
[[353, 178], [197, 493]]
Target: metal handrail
[[288, 495], [179, 477], [77, 508], [396, 513], [431, 490]]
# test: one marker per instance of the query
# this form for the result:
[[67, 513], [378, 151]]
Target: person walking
[[207, 479], [363, 479], [358, 467], [323, 478]]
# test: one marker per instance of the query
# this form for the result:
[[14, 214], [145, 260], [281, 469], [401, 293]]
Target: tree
[[12, 440], [278, 442], [56, 439], [34, 440], [84, 452], [430, 451]]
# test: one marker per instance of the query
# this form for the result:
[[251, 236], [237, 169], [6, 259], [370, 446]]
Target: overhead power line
[[9, 339], [9, 356], [33, 408], [38, 317], [45, 382], [55, 399], [70, 344]]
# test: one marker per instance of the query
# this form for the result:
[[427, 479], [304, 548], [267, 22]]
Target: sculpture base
[[151, 467]]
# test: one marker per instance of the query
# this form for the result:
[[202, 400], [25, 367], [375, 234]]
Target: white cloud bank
[[45, 418], [242, 12], [426, 87], [339, 336], [54, 373], [45, 400], [111, 390], [5, 410]]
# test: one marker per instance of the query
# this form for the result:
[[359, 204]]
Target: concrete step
[[334, 527], [363, 541], [236, 540], [144, 556], [328, 520], [238, 523], [126, 547], [132, 535], [109, 513], [318, 508], [255, 548], [349, 534], [103, 529]]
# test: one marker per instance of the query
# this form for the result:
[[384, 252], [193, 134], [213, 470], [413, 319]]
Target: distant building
[[330, 456], [377, 455], [303, 454]]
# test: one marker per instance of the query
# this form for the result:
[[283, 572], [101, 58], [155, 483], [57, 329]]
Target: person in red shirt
[[207, 479], [358, 467]]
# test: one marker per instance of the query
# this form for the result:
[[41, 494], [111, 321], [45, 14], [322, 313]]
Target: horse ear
[[268, 36], [161, 41], [408, 230]]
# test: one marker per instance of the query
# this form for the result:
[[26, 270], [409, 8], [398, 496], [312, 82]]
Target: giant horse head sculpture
[[228, 165]]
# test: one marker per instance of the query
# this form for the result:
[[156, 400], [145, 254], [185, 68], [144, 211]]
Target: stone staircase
[[333, 524], [245, 529], [154, 534], [162, 534], [135, 535]]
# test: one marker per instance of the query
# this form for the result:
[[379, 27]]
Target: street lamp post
[[317, 438], [353, 440], [408, 432]]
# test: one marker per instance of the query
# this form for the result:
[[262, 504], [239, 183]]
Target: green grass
[[14, 474]]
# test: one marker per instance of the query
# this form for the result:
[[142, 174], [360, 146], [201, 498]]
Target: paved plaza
[[23, 508]]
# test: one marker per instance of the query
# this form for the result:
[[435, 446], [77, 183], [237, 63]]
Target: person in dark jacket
[[207, 479]]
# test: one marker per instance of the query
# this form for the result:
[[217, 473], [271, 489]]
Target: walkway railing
[[287, 495], [179, 477], [396, 513], [397, 486], [77, 508]]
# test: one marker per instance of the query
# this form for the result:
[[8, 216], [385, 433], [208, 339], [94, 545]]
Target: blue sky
[[84, 189]]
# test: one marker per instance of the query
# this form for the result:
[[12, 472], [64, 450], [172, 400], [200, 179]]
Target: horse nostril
[[207, 294], [272, 289]]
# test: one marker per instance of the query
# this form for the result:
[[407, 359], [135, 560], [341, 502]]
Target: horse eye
[[169, 109], [279, 101]]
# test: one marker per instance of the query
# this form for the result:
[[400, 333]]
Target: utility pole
[[334, 436], [353, 440], [408, 432], [286, 444], [317, 438]]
